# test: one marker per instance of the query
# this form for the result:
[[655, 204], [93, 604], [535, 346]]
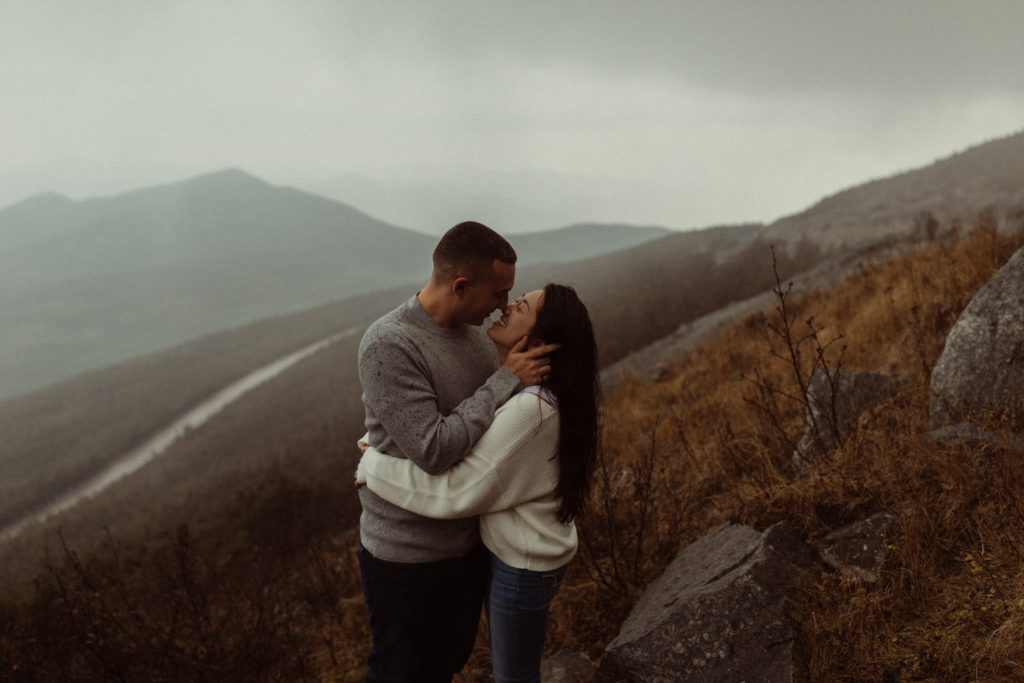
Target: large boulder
[[981, 368], [836, 400], [720, 612]]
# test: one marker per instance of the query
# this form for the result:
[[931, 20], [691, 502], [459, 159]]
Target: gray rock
[[566, 667], [982, 365], [836, 400], [720, 612], [859, 551]]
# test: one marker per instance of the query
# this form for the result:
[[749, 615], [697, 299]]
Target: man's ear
[[459, 285]]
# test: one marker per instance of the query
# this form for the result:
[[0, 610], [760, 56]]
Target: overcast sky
[[684, 114]]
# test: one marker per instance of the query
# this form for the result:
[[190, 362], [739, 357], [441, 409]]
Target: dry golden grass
[[949, 606]]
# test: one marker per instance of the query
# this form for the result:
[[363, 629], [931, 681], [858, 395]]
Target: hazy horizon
[[528, 116]]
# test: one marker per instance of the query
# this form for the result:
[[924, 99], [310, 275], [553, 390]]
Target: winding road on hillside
[[160, 442]]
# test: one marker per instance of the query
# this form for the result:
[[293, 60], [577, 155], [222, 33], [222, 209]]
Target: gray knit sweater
[[429, 392]]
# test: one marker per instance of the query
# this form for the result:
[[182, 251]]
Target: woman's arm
[[498, 473], [404, 401]]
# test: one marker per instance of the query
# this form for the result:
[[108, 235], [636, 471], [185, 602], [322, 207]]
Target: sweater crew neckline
[[415, 312]]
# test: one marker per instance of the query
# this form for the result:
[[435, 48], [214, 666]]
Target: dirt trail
[[160, 442]]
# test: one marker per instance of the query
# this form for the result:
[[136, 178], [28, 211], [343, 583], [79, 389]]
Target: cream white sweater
[[509, 479]]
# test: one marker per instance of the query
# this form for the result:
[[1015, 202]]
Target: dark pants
[[423, 616]]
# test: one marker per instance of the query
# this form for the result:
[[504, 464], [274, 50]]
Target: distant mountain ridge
[[430, 206], [36, 219], [581, 241], [90, 282], [986, 176], [222, 216]]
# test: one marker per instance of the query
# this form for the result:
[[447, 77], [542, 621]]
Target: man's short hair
[[469, 250]]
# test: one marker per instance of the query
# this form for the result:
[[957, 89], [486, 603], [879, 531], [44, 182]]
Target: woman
[[527, 477]]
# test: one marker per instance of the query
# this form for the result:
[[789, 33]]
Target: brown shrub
[[950, 598]]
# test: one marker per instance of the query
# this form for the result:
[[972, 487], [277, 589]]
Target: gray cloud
[[684, 113], [869, 48]]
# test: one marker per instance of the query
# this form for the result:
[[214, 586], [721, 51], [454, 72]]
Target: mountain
[[989, 176], [92, 282], [223, 219], [581, 241], [86, 283], [433, 206], [38, 219]]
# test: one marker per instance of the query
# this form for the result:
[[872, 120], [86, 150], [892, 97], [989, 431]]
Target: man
[[431, 383]]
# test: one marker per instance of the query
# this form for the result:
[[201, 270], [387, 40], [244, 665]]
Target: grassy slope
[[954, 188], [55, 436], [949, 605]]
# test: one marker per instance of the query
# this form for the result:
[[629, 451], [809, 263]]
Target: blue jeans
[[423, 616], [517, 618]]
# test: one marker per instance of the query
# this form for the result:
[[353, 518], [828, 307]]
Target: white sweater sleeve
[[496, 475]]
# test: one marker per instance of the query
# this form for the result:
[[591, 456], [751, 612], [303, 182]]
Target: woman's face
[[517, 320]]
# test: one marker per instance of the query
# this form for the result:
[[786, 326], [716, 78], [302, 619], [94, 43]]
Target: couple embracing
[[478, 454]]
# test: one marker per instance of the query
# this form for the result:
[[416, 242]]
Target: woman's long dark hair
[[563, 319]]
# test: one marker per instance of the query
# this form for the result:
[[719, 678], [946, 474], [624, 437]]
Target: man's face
[[479, 299]]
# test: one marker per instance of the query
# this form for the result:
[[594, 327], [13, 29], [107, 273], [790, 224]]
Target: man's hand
[[532, 365]]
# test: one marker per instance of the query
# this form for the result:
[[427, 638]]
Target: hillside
[[579, 242], [987, 176], [680, 456], [84, 284], [38, 219], [245, 523], [718, 430], [638, 295], [55, 437], [59, 435]]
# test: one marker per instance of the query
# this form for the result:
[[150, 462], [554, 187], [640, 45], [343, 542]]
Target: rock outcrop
[[836, 399], [859, 551], [720, 612], [981, 369]]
